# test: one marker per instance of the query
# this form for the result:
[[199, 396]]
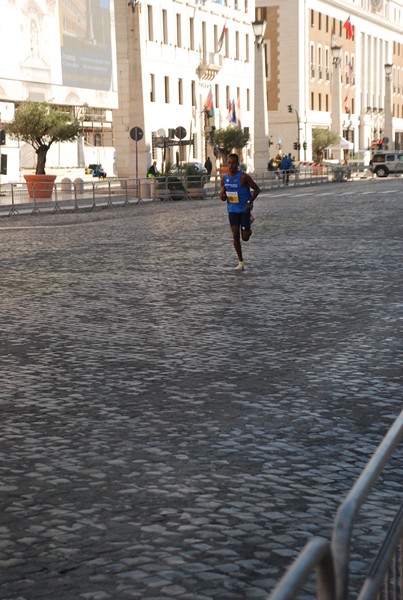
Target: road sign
[[136, 133], [180, 132]]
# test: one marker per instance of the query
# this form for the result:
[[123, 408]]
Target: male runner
[[236, 190]]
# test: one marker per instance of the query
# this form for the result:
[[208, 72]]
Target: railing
[[332, 559], [82, 195]]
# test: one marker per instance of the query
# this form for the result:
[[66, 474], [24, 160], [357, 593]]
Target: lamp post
[[388, 127], [297, 145], [261, 121], [336, 94]]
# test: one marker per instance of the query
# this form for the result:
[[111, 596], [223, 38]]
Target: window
[[320, 66], [320, 102], [178, 30], [193, 92], [327, 69], [227, 95], [97, 139], [217, 95], [248, 99], [312, 101], [312, 18], [180, 91], [320, 21], [165, 27], [152, 88], [327, 103], [150, 23], [312, 60], [226, 43], [237, 45], [192, 33], [166, 89], [247, 47]]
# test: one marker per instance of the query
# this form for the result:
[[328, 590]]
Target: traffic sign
[[136, 133], [180, 132]]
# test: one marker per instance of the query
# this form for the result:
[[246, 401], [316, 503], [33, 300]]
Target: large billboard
[[59, 51]]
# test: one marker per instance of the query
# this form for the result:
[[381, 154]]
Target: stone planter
[[40, 187]]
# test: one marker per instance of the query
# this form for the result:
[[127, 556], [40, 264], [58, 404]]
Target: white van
[[383, 163]]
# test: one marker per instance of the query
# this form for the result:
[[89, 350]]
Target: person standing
[[153, 170], [285, 168], [208, 165], [236, 191]]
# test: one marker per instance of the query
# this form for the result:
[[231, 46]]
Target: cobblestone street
[[173, 429]]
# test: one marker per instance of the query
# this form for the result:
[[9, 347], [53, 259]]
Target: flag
[[346, 109], [222, 37], [232, 113], [349, 28], [209, 105], [238, 113], [350, 72]]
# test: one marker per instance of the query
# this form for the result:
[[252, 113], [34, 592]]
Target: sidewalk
[[174, 429]]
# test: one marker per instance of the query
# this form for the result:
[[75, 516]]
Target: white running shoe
[[240, 266]]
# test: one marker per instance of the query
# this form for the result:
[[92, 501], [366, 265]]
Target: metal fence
[[329, 563], [79, 195]]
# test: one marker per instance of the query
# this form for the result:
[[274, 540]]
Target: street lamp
[[388, 124], [261, 121], [259, 29], [336, 94]]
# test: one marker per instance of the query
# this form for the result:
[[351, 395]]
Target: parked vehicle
[[194, 173], [383, 163]]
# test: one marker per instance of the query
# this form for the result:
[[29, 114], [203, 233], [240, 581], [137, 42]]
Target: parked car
[[194, 173], [383, 163]]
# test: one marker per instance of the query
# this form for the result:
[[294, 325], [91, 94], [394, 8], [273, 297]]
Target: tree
[[321, 139], [229, 139], [40, 125]]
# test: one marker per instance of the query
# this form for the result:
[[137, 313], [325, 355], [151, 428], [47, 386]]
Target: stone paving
[[173, 429]]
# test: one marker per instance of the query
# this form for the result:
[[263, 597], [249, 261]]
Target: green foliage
[[321, 139], [40, 125], [229, 140]]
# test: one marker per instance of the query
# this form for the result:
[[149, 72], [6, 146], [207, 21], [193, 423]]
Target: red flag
[[349, 28], [209, 106], [222, 37]]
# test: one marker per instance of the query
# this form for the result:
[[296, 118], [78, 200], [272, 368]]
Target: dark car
[[194, 173]]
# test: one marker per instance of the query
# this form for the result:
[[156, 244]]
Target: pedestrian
[[285, 167], [153, 170], [236, 191], [208, 165]]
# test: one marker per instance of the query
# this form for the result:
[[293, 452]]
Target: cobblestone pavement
[[173, 429]]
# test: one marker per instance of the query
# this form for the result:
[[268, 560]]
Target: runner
[[236, 191]]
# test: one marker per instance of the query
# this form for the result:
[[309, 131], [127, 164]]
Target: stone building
[[301, 38]]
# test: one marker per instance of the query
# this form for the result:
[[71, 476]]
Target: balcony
[[211, 63]]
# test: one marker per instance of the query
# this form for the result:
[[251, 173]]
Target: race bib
[[232, 197]]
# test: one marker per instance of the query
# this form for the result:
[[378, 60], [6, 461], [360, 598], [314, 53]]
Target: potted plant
[[40, 125], [228, 139]]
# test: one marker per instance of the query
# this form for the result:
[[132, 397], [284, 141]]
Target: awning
[[343, 144]]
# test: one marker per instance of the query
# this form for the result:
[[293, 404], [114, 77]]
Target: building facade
[[301, 38], [184, 69]]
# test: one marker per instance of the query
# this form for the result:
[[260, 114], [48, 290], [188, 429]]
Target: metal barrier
[[332, 559], [79, 195]]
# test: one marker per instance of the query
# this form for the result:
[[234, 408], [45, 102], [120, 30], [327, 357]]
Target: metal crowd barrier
[[79, 195], [331, 559]]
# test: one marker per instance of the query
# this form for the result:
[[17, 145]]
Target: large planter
[[40, 187]]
